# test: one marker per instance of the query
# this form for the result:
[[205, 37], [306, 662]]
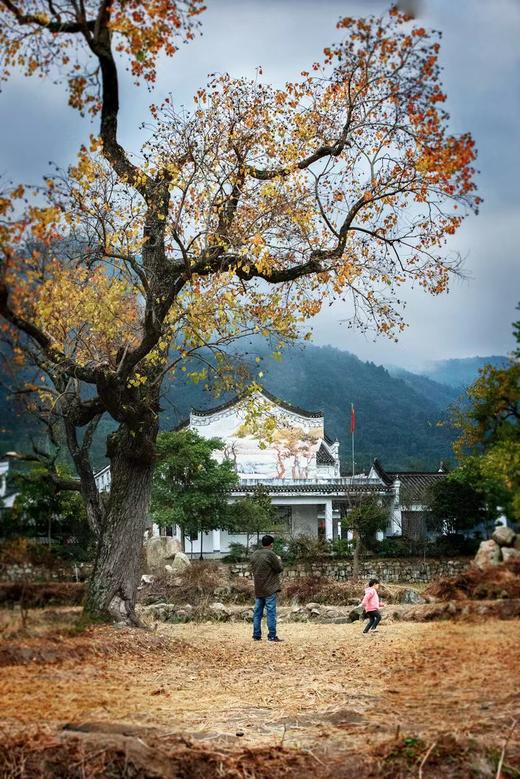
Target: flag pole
[[352, 431]]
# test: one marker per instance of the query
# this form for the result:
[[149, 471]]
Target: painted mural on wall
[[270, 443]]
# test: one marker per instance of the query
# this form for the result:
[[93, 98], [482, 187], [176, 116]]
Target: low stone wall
[[39, 573], [392, 570], [388, 569]]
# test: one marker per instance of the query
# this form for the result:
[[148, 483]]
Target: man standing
[[266, 567]]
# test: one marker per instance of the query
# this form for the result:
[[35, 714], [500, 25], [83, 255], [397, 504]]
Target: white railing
[[340, 481]]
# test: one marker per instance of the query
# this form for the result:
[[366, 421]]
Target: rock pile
[[503, 545]]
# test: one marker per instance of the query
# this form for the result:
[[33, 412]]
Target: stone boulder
[[180, 562], [219, 611], [184, 614], [508, 553], [159, 552], [504, 536], [410, 596], [160, 612], [488, 554], [356, 614]]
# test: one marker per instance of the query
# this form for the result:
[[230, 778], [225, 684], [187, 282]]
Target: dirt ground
[[328, 691]]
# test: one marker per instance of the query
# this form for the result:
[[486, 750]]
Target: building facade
[[287, 451]]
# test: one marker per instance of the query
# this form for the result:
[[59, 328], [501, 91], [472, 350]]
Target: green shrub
[[393, 547], [341, 548], [238, 553], [20, 551], [306, 549], [452, 544], [280, 547]]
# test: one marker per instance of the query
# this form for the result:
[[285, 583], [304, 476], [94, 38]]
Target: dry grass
[[500, 581], [327, 693], [335, 593], [199, 584], [35, 595], [204, 582]]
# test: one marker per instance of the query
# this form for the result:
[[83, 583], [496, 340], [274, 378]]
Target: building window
[[284, 518]]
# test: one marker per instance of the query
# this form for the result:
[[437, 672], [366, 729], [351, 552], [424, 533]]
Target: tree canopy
[[42, 510], [461, 502], [255, 514], [190, 487]]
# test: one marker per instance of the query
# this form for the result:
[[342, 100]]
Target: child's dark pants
[[374, 618]]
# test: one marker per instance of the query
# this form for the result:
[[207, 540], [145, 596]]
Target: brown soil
[[204, 700]]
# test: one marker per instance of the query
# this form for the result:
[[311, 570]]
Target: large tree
[[246, 214]]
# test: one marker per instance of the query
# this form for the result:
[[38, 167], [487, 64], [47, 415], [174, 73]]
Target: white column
[[216, 540], [396, 525], [329, 527]]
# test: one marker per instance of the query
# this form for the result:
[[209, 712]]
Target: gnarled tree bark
[[113, 585]]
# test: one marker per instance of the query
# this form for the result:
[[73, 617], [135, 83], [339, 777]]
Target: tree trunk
[[113, 585], [356, 555]]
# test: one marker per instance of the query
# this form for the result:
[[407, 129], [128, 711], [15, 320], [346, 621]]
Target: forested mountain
[[400, 416], [441, 395], [461, 372]]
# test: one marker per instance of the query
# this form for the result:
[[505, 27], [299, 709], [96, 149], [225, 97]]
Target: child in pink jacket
[[371, 605]]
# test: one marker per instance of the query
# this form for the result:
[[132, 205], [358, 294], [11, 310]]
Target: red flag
[[352, 419]]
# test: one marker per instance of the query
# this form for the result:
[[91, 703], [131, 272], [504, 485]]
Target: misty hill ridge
[[463, 371], [401, 416]]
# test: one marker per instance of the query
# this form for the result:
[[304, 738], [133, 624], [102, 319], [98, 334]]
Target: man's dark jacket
[[266, 567]]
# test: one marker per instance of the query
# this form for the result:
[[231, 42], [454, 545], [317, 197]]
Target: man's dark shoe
[[278, 640], [257, 638]]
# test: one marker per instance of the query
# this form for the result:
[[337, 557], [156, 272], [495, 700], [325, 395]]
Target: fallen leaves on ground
[[327, 696]]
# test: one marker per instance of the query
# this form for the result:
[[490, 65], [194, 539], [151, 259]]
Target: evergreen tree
[[190, 487]]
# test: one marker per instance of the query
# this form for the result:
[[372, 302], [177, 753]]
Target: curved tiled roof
[[324, 457], [282, 403], [414, 486], [416, 483]]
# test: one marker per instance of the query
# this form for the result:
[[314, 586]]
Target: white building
[[6, 498], [286, 449]]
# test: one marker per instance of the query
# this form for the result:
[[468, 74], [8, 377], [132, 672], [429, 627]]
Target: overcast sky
[[481, 59]]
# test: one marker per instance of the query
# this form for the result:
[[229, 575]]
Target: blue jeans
[[270, 606]]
